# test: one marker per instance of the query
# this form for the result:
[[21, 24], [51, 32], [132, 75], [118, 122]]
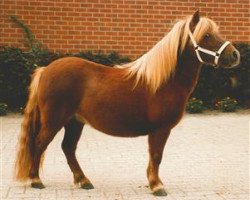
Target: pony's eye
[[207, 36]]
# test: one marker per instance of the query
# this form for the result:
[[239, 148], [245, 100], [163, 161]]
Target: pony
[[144, 97]]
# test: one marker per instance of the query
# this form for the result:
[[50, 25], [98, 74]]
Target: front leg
[[156, 142]]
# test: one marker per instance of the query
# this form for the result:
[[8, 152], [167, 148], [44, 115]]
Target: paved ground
[[206, 158]]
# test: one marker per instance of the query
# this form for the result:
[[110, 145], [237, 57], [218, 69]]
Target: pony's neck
[[186, 74], [187, 71]]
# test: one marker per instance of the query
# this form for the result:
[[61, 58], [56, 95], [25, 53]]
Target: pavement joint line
[[205, 158]]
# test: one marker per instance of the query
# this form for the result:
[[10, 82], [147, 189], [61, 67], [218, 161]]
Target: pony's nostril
[[235, 55]]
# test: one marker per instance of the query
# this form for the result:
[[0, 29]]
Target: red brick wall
[[130, 27]]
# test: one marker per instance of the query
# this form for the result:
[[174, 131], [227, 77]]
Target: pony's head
[[197, 36], [207, 44]]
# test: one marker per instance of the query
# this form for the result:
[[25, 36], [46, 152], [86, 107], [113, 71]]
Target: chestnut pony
[[144, 97]]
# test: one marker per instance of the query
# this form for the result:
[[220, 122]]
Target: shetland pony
[[144, 97]]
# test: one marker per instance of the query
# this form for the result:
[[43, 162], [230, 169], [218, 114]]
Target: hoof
[[37, 185], [87, 186], [160, 192]]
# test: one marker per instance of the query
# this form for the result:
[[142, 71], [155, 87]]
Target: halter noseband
[[216, 54]]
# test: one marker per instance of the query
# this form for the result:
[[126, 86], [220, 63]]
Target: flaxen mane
[[158, 64]]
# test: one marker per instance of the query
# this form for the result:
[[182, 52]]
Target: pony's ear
[[195, 19]]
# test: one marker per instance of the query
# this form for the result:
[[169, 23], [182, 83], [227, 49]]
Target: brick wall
[[130, 27]]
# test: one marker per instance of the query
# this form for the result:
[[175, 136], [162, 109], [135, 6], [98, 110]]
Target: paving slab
[[206, 158]]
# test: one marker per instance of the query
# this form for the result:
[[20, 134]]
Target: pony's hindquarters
[[29, 130]]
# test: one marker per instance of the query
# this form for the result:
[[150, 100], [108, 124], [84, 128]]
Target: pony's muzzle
[[231, 58]]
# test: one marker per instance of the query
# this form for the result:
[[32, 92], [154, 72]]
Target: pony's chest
[[167, 111]]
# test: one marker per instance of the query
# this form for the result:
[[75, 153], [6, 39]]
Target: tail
[[29, 130]]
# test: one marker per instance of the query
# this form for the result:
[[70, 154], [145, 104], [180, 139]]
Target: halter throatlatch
[[197, 49]]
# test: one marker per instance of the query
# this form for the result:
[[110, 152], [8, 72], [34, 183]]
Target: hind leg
[[43, 139], [73, 131]]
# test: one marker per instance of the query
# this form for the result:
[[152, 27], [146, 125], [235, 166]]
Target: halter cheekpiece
[[216, 54]]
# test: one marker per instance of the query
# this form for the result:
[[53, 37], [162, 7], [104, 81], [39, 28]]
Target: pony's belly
[[117, 128]]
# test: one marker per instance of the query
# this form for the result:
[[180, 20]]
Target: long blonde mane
[[159, 63]]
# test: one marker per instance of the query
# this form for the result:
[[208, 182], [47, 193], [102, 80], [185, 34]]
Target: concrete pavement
[[206, 158]]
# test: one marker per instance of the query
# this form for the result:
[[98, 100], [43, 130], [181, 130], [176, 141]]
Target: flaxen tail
[[29, 130]]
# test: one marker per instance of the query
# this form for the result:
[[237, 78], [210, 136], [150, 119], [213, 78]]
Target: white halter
[[197, 49]]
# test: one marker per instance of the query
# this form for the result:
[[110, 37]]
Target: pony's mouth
[[236, 64]]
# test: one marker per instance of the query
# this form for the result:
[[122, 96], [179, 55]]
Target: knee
[[67, 147], [156, 158]]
